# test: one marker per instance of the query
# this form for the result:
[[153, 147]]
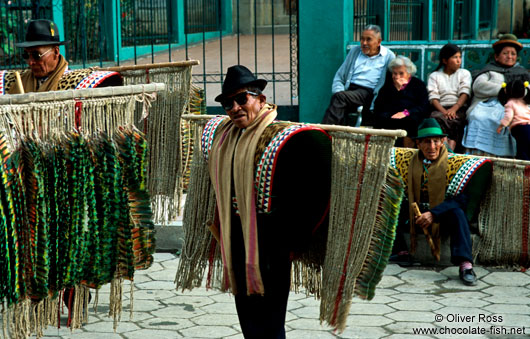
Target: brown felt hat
[[507, 40]]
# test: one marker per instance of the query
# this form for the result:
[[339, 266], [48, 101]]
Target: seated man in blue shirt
[[359, 78]]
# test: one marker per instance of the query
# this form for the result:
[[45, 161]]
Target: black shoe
[[468, 277], [403, 260]]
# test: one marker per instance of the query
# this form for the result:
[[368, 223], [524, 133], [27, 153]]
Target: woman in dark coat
[[403, 102]]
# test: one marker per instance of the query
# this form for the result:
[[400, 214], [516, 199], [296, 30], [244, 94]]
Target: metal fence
[[14, 16], [406, 20], [261, 34], [82, 28], [145, 22], [202, 16]]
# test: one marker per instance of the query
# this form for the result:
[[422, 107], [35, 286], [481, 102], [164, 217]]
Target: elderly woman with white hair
[[403, 101]]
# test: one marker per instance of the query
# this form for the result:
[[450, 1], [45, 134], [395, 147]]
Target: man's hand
[[398, 115], [425, 219]]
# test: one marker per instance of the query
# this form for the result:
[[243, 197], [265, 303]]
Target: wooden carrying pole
[[150, 66], [80, 93], [330, 128], [19, 82], [417, 213]]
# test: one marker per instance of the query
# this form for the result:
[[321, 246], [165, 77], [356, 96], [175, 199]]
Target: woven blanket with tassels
[[365, 196], [296, 197], [75, 212]]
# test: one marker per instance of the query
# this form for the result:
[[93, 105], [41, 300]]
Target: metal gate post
[[322, 49], [57, 17], [111, 28]]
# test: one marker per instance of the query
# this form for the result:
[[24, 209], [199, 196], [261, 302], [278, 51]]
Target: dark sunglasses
[[34, 54], [240, 98]]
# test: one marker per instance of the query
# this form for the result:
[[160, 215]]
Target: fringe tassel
[[96, 301], [115, 302], [4, 321], [163, 135], [307, 276], [86, 292], [131, 298]]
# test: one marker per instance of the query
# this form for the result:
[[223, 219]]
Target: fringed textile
[[359, 169], [68, 205], [132, 146], [503, 219], [200, 246], [162, 128], [46, 120], [197, 105]]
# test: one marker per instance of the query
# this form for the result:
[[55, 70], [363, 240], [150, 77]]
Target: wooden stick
[[19, 82], [330, 128], [151, 66], [81, 93], [417, 213]]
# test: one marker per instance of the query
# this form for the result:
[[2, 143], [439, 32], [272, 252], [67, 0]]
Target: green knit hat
[[429, 128]]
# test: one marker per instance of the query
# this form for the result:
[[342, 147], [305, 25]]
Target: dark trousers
[[454, 223], [262, 316], [521, 133], [344, 102]]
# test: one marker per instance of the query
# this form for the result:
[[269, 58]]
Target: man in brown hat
[[256, 242], [41, 52]]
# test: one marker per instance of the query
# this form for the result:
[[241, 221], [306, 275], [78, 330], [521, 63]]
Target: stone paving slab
[[407, 301]]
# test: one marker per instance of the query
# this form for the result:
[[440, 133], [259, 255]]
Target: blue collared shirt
[[368, 70]]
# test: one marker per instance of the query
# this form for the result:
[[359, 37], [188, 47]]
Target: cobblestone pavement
[[407, 300]]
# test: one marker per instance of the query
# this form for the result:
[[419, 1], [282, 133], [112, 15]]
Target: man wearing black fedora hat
[[41, 52], [427, 184], [257, 240]]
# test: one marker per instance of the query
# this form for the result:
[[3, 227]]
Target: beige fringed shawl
[[235, 146], [436, 185], [30, 82]]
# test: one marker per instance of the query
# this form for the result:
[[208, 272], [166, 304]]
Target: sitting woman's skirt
[[481, 131]]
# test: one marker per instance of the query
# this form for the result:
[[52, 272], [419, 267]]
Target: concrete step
[[170, 237]]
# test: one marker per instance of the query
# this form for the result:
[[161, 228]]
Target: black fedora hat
[[237, 77], [41, 32]]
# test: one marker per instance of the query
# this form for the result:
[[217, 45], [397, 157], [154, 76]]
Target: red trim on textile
[[474, 169], [78, 110], [213, 245], [71, 293], [253, 285], [526, 217], [317, 226], [354, 216], [211, 257]]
